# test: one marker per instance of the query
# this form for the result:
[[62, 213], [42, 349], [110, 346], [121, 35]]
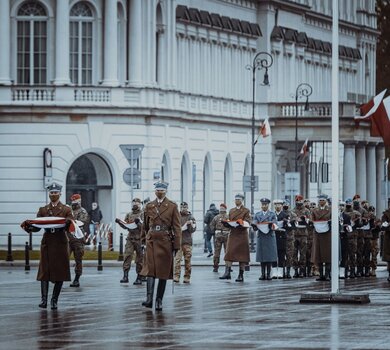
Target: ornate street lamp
[[262, 60], [303, 90]]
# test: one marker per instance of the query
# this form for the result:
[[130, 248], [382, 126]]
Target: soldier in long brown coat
[[162, 235], [386, 238], [322, 237], [238, 242], [54, 262]]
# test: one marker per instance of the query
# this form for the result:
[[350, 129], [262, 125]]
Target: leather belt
[[160, 228], [53, 230]]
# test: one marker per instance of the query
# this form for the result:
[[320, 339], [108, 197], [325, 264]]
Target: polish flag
[[304, 149], [380, 121], [265, 130], [371, 106]]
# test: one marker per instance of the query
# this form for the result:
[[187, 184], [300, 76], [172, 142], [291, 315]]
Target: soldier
[[211, 213], [386, 239], [266, 252], [354, 218], [237, 248], [322, 237], [289, 225], [188, 227], [300, 244], [54, 262], [375, 229], [282, 222], [76, 245], [221, 234], [162, 235], [362, 231], [133, 242]]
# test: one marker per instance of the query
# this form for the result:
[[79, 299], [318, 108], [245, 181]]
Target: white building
[[83, 79]]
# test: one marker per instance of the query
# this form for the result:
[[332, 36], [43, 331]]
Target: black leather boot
[[262, 277], [216, 264], [226, 275], [138, 280], [269, 272], [125, 278], [351, 272], [56, 294], [308, 271], [240, 277], [44, 292], [296, 274], [149, 292], [359, 272], [160, 294], [327, 272], [284, 273], [288, 272], [75, 282], [388, 278], [321, 271], [366, 272]]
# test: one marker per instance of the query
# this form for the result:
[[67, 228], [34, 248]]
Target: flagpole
[[335, 148]]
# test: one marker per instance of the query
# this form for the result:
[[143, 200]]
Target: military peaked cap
[[54, 187], [161, 185]]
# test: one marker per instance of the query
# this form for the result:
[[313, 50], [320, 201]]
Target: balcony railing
[[33, 94]]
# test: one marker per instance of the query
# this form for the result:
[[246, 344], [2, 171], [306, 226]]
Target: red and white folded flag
[[237, 223], [128, 225], [48, 222], [264, 226], [321, 226]]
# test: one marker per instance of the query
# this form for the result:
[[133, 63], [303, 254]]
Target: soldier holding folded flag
[[162, 236], [54, 261], [238, 242]]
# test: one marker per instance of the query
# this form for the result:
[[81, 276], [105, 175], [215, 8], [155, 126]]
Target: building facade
[[83, 83]]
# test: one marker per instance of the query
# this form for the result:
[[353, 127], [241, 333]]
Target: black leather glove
[[224, 223], [254, 227], [26, 225], [137, 220], [303, 218], [270, 225], [68, 222]]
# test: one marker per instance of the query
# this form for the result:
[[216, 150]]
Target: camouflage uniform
[[133, 242], [221, 236], [186, 248], [76, 245], [290, 237], [300, 242], [352, 240], [374, 247], [362, 233]]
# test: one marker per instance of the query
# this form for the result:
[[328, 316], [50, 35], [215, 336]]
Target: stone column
[[135, 42], [62, 40], [380, 171], [349, 166], [361, 164], [5, 43], [110, 77], [371, 175]]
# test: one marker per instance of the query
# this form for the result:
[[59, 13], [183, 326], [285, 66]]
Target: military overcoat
[[54, 262], [386, 236], [237, 248], [321, 252], [161, 234]]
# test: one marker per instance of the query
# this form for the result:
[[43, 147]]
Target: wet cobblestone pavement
[[206, 314]]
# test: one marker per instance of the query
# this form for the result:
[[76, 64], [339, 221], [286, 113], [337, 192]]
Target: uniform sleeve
[[248, 217], [213, 224], [145, 225], [84, 218], [176, 227], [192, 229], [255, 220], [68, 213], [273, 220]]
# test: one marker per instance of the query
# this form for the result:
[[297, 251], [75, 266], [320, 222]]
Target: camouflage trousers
[[300, 249], [374, 253], [290, 250], [76, 247], [360, 249], [186, 252], [133, 245], [351, 249], [220, 241]]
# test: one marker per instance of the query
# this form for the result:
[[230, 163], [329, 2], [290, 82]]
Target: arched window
[[228, 181], [165, 168], [32, 44], [81, 44]]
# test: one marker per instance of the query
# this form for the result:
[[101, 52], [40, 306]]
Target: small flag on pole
[[305, 149], [265, 130]]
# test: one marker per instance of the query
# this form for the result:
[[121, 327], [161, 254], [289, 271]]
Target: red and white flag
[[380, 121], [305, 149], [265, 130], [371, 106]]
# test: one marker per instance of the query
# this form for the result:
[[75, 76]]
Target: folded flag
[[237, 223], [126, 225]]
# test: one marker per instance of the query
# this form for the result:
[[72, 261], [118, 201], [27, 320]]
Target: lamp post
[[303, 90], [262, 60]]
